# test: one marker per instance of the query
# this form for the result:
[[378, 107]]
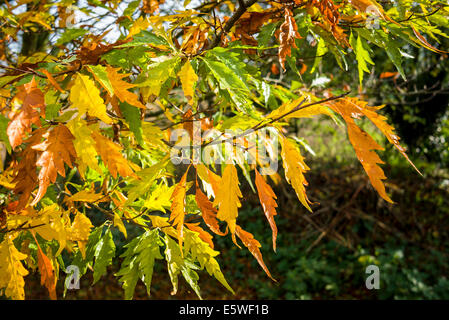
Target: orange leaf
[[32, 99], [57, 149], [385, 75], [253, 246], [111, 156], [425, 43], [48, 277], [208, 212], [364, 145], [267, 199], [121, 87], [204, 235], [178, 213], [26, 176], [51, 80]]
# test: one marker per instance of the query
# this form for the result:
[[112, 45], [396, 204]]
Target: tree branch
[[228, 26]]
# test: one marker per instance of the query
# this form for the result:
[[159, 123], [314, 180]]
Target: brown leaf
[[287, 36]]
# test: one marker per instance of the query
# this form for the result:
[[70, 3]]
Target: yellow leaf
[[12, 270], [295, 168], [55, 226], [188, 79], [87, 196], [85, 96], [80, 228], [140, 24], [80, 231], [307, 112], [84, 146], [227, 197], [118, 222]]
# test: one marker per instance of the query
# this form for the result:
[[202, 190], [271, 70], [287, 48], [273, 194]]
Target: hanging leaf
[[267, 199], [227, 198]]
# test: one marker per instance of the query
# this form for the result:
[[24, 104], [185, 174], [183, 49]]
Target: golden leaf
[[227, 197]]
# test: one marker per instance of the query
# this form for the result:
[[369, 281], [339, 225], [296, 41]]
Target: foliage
[[91, 112]]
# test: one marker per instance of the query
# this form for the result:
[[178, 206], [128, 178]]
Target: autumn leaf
[[267, 199], [287, 36], [178, 213], [121, 87], [227, 198], [84, 146], [364, 145], [85, 96], [52, 223], [52, 80], [48, 277], [25, 172], [188, 79], [87, 196], [253, 246], [208, 212], [204, 235], [111, 156], [295, 167], [12, 270], [57, 149], [32, 101]]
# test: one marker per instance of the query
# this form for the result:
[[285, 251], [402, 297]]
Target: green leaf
[[3, 136], [229, 81], [362, 55], [71, 34], [132, 117], [104, 252], [176, 265], [201, 251], [101, 76], [139, 260], [266, 33]]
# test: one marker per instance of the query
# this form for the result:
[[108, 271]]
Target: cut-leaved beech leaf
[[32, 103], [208, 212], [253, 246], [288, 34], [364, 145], [267, 199], [228, 197], [178, 212], [57, 149], [295, 167]]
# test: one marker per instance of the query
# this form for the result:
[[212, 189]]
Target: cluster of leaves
[[88, 111]]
